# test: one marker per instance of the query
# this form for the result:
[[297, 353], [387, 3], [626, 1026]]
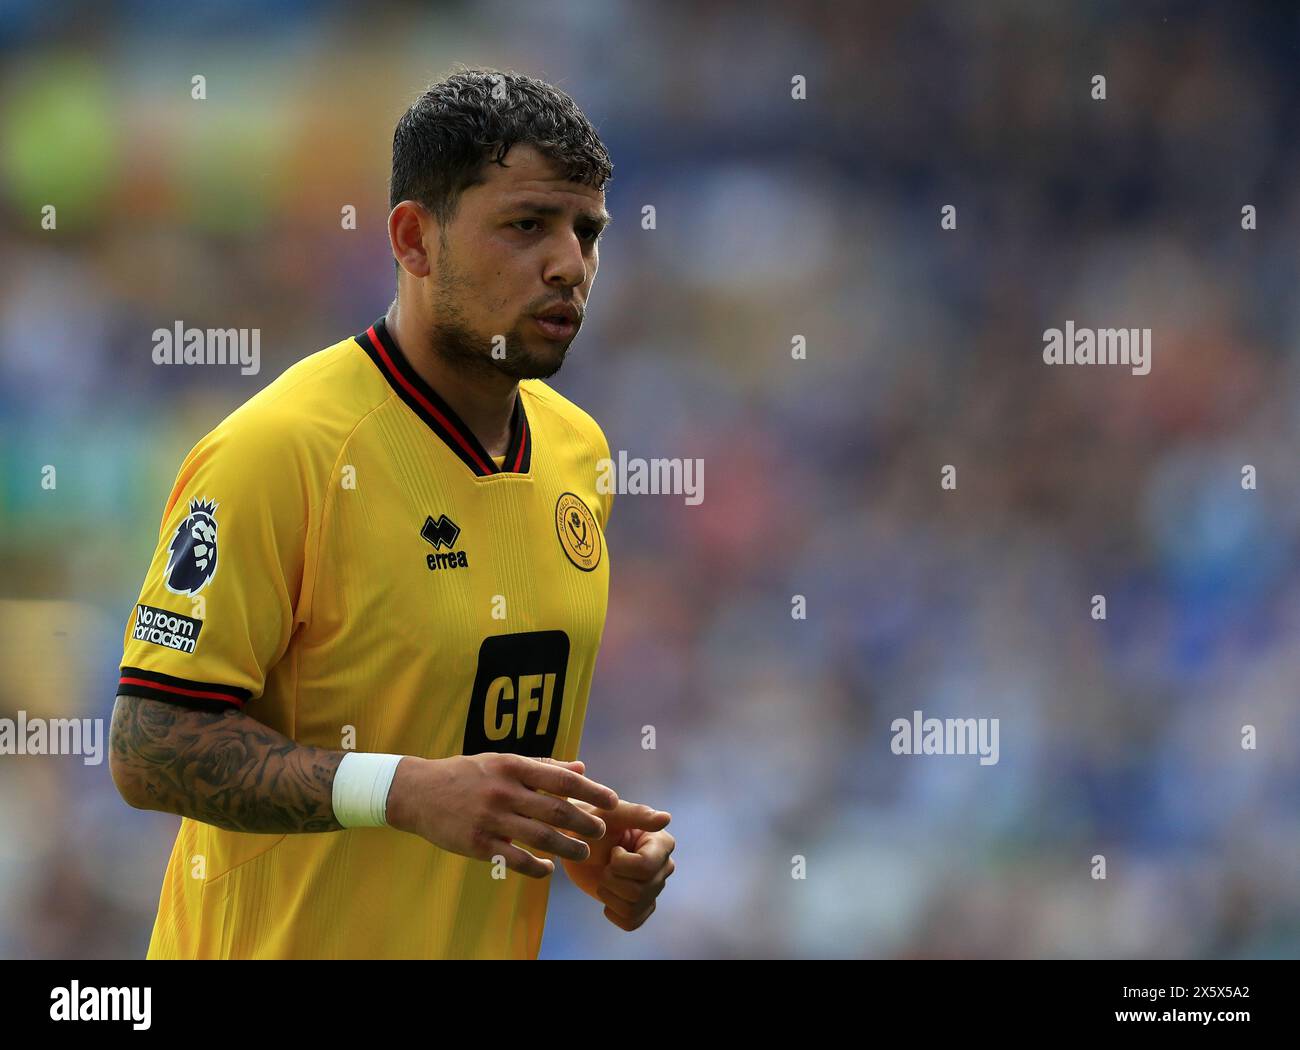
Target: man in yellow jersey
[[360, 661]]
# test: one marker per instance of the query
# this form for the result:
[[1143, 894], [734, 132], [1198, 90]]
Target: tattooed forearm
[[222, 768]]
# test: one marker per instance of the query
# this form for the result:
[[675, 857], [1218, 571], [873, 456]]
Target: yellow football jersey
[[342, 559]]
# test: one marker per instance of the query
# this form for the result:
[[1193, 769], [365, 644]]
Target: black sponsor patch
[[168, 629], [518, 695]]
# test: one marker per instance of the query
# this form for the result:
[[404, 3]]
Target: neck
[[484, 403]]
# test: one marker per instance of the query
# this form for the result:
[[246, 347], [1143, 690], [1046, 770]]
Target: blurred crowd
[[775, 217]]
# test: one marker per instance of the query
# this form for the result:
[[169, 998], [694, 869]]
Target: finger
[[640, 866], [549, 775], [521, 860], [631, 890], [624, 909], [643, 818], [541, 837], [662, 843], [577, 765], [625, 924], [637, 889], [559, 813], [623, 889]]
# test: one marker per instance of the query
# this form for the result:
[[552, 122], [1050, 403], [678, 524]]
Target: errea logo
[[443, 533]]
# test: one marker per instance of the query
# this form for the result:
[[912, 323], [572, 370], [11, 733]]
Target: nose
[[566, 266]]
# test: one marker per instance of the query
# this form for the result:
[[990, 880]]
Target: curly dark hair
[[473, 117]]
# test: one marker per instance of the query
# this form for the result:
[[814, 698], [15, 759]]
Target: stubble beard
[[470, 352]]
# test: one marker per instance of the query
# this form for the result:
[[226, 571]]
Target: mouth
[[558, 322]]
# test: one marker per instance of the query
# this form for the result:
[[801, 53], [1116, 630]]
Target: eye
[[521, 222], [591, 234]]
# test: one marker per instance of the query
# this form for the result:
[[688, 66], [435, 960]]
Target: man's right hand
[[476, 804]]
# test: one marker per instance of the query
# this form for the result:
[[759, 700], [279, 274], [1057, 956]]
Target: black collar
[[382, 349]]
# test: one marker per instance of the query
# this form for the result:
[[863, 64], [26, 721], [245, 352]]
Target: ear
[[411, 227]]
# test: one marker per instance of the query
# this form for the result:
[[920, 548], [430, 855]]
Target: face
[[520, 253]]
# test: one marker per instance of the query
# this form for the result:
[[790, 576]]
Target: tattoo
[[222, 768]]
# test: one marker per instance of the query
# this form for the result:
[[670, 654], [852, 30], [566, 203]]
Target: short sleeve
[[607, 498], [224, 589]]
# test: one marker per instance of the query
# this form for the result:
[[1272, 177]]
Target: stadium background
[[774, 218]]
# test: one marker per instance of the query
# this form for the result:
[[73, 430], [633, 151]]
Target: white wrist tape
[[361, 785]]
